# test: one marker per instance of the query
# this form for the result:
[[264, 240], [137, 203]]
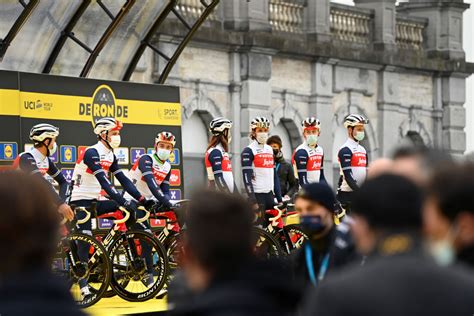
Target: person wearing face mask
[[151, 172], [329, 246], [91, 177], [398, 277], [353, 160], [38, 161], [308, 157], [258, 168], [288, 183], [217, 161], [448, 215]]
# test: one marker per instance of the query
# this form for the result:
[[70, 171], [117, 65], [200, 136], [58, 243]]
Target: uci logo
[[103, 105]]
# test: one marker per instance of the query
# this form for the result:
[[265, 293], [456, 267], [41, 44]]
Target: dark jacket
[[341, 250], [288, 182], [395, 282], [36, 293], [466, 256], [256, 289]]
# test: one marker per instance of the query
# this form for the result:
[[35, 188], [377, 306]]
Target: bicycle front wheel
[[139, 266], [266, 246], [92, 270]]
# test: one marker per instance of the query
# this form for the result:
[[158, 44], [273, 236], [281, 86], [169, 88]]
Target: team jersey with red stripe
[[218, 161], [86, 186], [42, 162], [263, 167], [353, 157], [308, 161], [160, 171]]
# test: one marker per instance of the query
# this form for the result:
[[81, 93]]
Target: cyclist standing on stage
[[308, 157], [38, 161], [91, 176], [151, 172], [353, 160], [218, 165], [258, 168]]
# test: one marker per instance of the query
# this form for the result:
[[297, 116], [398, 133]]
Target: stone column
[[444, 33], [388, 110], [320, 106], [318, 24], [385, 21], [235, 89], [240, 15], [454, 114]]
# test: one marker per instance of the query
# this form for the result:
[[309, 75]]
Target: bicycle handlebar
[[85, 219], [274, 219], [144, 218], [126, 217]]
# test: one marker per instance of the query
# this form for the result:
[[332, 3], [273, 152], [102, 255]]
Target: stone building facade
[[402, 66]]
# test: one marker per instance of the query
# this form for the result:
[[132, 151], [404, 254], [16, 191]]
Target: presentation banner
[[74, 104]]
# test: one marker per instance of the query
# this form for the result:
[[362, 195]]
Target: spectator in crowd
[[449, 214], [379, 166], [330, 246], [219, 264], [397, 278], [29, 235], [288, 182]]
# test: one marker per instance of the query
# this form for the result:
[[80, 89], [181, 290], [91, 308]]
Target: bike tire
[[105, 267], [161, 267], [268, 243]]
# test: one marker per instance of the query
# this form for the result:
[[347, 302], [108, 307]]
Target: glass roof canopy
[[87, 38]]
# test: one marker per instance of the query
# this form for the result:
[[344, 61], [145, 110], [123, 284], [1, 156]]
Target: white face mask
[[163, 154], [442, 252], [312, 140], [53, 150], [262, 138], [115, 141], [359, 136]]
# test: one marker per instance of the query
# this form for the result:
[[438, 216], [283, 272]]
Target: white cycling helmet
[[165, 137], [355, 119], [311, 123], [259, 121], [40, 132], [219, 125], [107, 124]]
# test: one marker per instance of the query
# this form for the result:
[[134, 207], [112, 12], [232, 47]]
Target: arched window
[[195, 140]]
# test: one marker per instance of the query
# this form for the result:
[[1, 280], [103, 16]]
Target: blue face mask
[[312, 225]]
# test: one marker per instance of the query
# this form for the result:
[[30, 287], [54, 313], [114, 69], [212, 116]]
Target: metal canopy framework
[[91, 38], [16, 27]]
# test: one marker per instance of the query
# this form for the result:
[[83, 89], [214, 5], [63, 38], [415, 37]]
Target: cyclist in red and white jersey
[[37, 161], [151, 172], [218, 165], [258, 167], [353, 160], [91, 177], [308, 158]]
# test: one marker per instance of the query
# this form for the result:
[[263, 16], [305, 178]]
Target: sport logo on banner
[[175, 194], [68, 154], [175, 178], [174, 157], [67, 173], [8, 151], [103, 105], [136, 153]]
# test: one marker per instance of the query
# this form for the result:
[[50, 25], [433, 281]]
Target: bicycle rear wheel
[[128, 277], [95, 273], [266, 246]]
